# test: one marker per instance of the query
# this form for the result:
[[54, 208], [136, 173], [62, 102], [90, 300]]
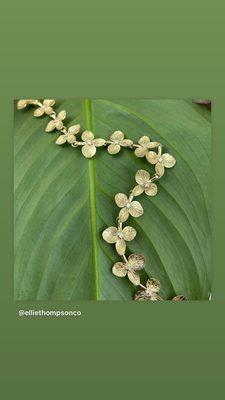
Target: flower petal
[[134, 277], [142, 177], [126, 142], [123, 214], [152, 157], [50, 127], [21, 104], [168, 160], [151, 190], [136, 209], [129, 233], [154, 297], [117, 135], [74, 129], [110, 235], [119, 269], [31, 101], [98, 142], [152, 145], [61, 139], [140, 152], [144, 141], [137, 190], [39, 112], [88, 150], [120, 246], [153, 285], [87, 135], [70, 138], [113, 148], [159, 169], [180, 297], [121, 200], [62, 115], [141, 295], [136, 261], [49, 103]]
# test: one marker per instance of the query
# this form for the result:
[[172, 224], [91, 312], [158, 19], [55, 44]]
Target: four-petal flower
[[144, 145], [117, 139], [133, 208], [150, 292], [145, 184], [22, 103], [90, 144], [179, 297], [160, 161], [69, 136], [130, 268], [56, 123], [119, 236], [45, 108]]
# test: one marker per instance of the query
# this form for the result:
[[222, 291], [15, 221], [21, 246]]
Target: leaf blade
[[59, 252]]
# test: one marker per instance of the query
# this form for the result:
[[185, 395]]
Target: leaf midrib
[[92, 186]]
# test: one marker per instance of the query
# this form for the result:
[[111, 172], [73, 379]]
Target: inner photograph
[[112, 199]]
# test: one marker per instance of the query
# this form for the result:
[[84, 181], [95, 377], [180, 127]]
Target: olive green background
[[156, 49]]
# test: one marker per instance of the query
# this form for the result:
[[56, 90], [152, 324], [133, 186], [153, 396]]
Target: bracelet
[[118, 235]]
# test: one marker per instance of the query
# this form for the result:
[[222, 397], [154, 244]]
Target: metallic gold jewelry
[[118, 235]]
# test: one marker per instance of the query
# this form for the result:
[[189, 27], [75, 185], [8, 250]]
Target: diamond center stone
[[128, 267], [120, 235]]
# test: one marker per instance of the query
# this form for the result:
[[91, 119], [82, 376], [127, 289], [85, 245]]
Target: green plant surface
[[63, 202]]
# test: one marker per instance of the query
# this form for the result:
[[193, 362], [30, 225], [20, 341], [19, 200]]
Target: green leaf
[[63, 202]]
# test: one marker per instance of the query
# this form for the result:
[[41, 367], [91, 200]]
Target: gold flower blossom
[[160, 161], [90, 144], [69, 136], [144, 145], [25, 102], [117, 139], [130, 268], [150, 292], [145, 184], [56, 123], [119, 236], [180, 297], [45, 108], [134, 208]]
